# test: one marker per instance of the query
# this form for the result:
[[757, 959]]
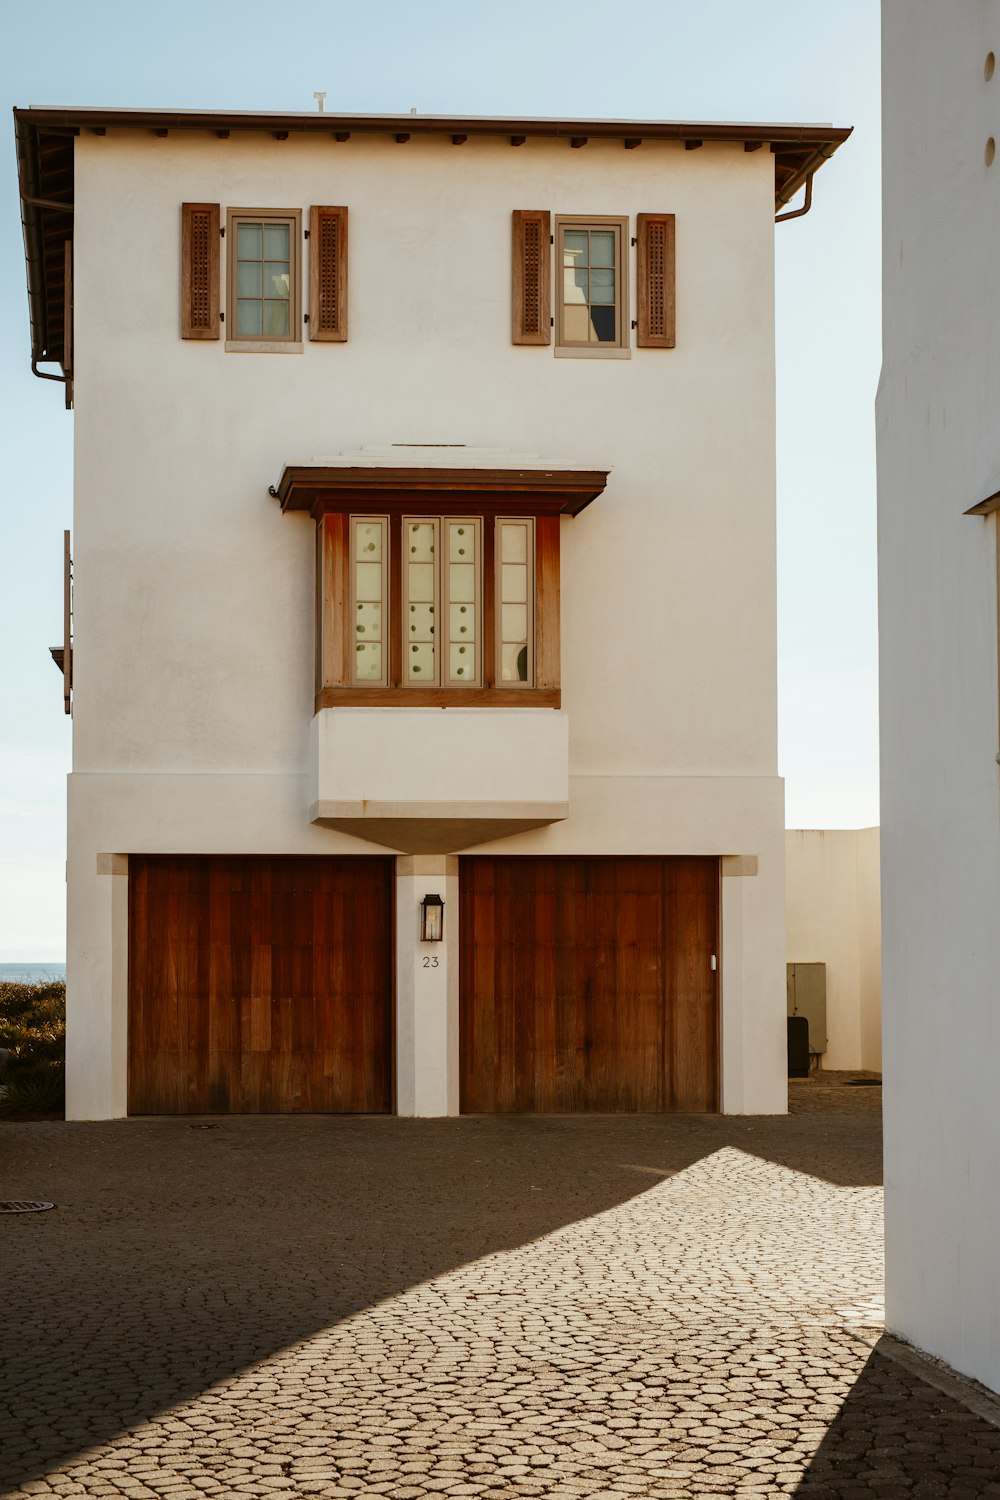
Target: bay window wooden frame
[[335, 682]]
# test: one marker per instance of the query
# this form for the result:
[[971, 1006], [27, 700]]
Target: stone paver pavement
[[603, 1307]]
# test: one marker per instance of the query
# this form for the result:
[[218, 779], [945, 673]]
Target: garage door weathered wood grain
[[259, 985], [586, 984]]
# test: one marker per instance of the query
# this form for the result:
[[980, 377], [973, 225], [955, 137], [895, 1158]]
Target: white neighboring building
[[502, 631], [939, 474]]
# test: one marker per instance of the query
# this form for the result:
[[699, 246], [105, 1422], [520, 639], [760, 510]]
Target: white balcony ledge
[[432, 780]]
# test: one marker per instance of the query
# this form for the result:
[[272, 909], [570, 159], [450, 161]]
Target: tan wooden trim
[[531, 276], [656, 278], [200, 224], [67, 669], [623, 338], [406, 697], [547, 604], [738, 865], [996, 536], [328, 274], [293, 218]]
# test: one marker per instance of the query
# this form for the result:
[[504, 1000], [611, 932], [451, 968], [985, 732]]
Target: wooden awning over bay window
[[437, 586], [377, 488]]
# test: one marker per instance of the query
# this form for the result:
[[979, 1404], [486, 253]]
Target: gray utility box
[[807, 997]]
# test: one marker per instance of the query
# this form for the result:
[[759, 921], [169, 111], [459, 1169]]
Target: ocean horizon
[[30, 973]]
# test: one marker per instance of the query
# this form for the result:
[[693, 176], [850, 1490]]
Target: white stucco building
[[939, 477], [423, 546]]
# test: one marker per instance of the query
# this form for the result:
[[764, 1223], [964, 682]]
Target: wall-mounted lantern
[[431, 919]]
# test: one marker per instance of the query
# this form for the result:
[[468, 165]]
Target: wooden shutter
[[655, 275], [531, 299], [199, 270], [328, 274]]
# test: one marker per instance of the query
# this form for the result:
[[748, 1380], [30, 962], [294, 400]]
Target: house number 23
[[430, 963]]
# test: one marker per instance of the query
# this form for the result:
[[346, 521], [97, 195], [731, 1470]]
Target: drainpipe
[[797, 213]]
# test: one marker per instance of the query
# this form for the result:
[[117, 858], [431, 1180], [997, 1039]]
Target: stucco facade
[[194, 725], [939, 456]]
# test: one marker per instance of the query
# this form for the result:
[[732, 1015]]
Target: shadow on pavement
[[183, 1251], [897, 1435]]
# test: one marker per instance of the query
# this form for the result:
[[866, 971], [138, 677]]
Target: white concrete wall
[[938, 454], [194, 597], [833, 918]]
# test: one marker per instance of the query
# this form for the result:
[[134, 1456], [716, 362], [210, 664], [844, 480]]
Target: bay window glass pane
[[602, 247], [420, 662], [368, 622], [462, 622], [420, 541], [462, 583], [420, 624], [461, 542], [514, 663], [462, 662], [513, 542], [248, 282], [368, 541], [276, 242], [514, 622], [248, 241], [420, 583], [276, 324], [368, 581], [248, 317], [513, 583], [368, 662]]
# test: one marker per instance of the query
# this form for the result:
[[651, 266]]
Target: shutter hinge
[[552, 322], [552, 239], [634, 323], [222, 317], [222, 231], [634, 240], [305, 234], [305, 317]]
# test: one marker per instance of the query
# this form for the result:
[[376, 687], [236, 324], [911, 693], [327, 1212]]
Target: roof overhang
[[45, 137], [378, 488]]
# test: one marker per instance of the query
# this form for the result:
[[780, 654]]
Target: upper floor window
[[591, 297], [263, 275]]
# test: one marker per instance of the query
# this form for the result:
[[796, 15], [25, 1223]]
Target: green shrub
[[33, 1028]]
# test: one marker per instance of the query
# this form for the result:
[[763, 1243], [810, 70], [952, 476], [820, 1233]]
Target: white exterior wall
[[194, 595], [939, 454], [832, 907]]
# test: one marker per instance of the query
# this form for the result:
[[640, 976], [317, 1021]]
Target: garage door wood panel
[[586, 984], [259, 985]]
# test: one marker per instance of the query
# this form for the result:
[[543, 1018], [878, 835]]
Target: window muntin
[[263, 281], [369, 599], [515, 593], [591, 295]]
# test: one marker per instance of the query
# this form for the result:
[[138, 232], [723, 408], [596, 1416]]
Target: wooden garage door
[[259, 985], [587, 984]]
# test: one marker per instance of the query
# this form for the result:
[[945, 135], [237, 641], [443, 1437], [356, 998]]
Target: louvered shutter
[[655, 277], [199, 270], [328, 274], [531, 298]]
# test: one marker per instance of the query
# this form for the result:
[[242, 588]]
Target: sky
[[780, 60]]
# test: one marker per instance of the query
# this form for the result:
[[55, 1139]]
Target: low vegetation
[[33, 1032]]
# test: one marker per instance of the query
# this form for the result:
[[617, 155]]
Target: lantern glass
[[431, 919]]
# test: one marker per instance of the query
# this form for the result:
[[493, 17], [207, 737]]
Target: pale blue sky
[[653, 59]]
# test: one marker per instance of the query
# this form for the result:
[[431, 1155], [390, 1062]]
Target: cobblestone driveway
[[602, 1307]]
